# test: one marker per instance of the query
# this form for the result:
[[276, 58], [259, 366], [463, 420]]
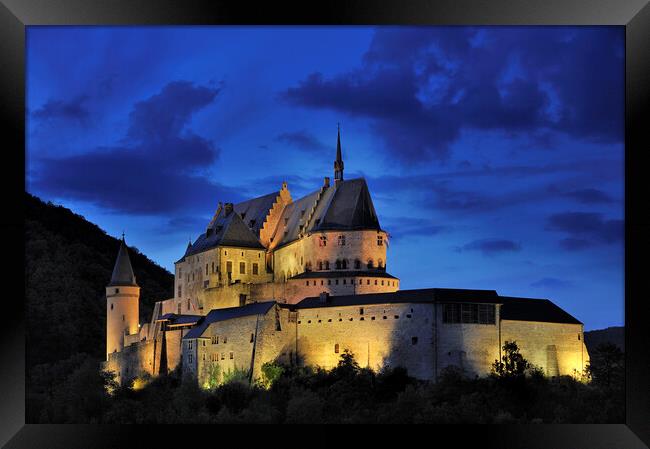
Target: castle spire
[[122, 271], [338, 163]]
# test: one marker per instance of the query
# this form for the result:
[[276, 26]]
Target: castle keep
[[300, 281]]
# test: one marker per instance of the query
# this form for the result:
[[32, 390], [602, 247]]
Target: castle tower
[[122, 302], [338, 163]]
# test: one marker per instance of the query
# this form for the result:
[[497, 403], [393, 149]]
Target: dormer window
[[251, 223]]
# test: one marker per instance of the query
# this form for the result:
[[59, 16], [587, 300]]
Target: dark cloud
[[73, 109], [409, 226], [589, 196], [157, 169], [585, 229], [552, 283], [420, 87], [302, 140], [490, 247], [164, 115]]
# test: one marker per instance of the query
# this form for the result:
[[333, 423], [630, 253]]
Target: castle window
[[408, 315], [189, 358], [361, 311], [382, 282], [578, 336], [242, 254], [337, 282], [321, 282], [255, 268], [242, 267], [203, 345], [314, 283], [188, 304], [323, 240], [206, 269], [252, 337], [307, 284], [344, 281], [225, 253], [122, 317], [111, 306], [414, 340], [251, 223], [302, 213], [320, 264], [344, 264], [243, 215], [367, 281], [329, 321], [380, 240], [336, 348], [384, 317], [370, 264], [286, 220], [301, 262], [375, 281], [341, 240], [380, 263], [338, 264], [229, 267], [223, 356], [225, 339], [188, 278], [372, 318], [327, 264], [179, 308], [212, 267], [117, 290], [357, 264], [329, 282], [397, 317]]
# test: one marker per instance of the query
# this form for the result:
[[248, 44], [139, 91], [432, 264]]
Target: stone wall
[[555, 347], [291, 259], [471, 347], [378, 335]]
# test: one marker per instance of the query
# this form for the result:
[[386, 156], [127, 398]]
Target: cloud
[[491, 246], [158, 168], [585, 229], [420, 87], [302, 140], [589, 196], [410, 226], [552, 283], [73, 109]]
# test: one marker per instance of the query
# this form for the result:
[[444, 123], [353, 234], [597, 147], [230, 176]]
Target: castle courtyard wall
[[557, 348]]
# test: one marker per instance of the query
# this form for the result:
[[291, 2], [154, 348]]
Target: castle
[[300, 281]]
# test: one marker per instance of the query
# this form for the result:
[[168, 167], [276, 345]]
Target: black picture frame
[[634, 15]]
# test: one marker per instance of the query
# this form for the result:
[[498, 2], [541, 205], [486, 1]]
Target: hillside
[[614, 335], [68, 262]]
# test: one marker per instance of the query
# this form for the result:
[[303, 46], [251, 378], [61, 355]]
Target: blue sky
[[494, 155]]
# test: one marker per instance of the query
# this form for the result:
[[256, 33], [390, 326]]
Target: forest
[[68, 263]]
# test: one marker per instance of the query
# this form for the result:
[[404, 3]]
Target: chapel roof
[[122, 271]]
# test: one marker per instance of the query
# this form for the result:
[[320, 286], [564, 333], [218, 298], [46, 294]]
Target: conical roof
[[122, 271]]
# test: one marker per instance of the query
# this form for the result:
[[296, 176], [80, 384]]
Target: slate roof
[[258, 308], [347, 206], [122, 271], [515, 309], [256, 209], [342, 274], [529, 309], [404, 296], [227, 230]]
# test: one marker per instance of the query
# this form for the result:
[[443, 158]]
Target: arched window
[[338, 264], [320, 264], [327, 264], [357, 264], [344, 264], [336, 348], [370, 264]]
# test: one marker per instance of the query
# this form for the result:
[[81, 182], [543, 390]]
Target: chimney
[[327, 181], [324, 297], [228, 208]]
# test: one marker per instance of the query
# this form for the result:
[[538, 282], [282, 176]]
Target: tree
[[606, 367], [512, 363]]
